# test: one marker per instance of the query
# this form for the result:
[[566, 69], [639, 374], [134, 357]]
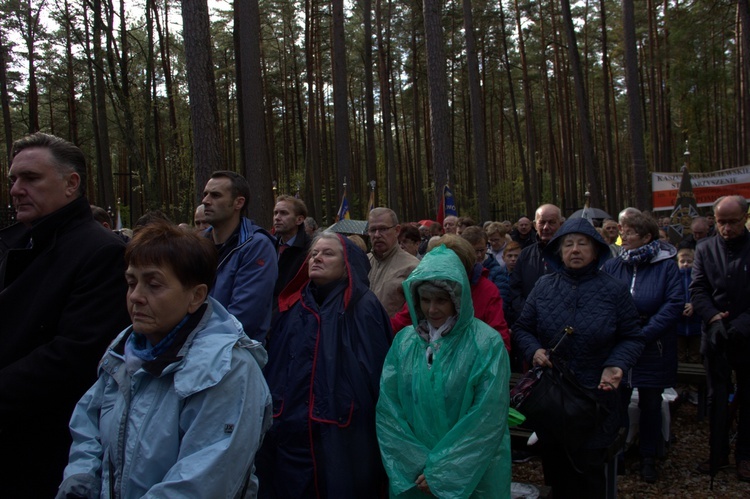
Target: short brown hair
[[192, 258], [686, 251], [474, 234], [460, 246], [101, 215], [496, 228], [299, 206], [642, 225], [465, 222], [513, 245], [409, 232]]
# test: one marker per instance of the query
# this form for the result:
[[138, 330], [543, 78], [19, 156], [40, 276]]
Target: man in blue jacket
[[247, 257]]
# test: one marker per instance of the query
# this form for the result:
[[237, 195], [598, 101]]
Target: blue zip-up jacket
[[659, 299], [495, 271], [190, 431], [601, 312], [246, 277], [324, 371]]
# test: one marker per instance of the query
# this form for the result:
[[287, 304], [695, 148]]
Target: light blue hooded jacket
[[192, 431]]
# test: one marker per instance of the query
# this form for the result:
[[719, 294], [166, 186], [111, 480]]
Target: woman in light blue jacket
[[180, 406]]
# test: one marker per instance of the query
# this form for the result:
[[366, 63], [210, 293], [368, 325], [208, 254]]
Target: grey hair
[[627, 212], [376, 212], [556, 209], [327, 234], [737, 199], [67, 156]]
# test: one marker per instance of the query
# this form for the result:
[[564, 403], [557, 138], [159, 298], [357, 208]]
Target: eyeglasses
[[382, 230], [629, 234]]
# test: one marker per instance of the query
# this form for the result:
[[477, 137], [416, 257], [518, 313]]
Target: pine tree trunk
[[477, 116], [440, 118], [638, 151], [204, 113]]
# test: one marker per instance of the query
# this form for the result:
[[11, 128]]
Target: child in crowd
[[510, 257], [689, 325]]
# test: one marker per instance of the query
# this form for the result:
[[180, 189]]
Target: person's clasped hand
[[687, 311], [610, 380], [541, 358], [715, 331], [422, 484]]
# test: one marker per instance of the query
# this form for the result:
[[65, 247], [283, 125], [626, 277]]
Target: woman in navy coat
[[606, 342], [325, 356], [647, 266]]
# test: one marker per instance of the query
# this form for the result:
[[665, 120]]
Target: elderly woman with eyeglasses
[[647, 266]]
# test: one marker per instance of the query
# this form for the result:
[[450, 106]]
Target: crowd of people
[[224, 359]]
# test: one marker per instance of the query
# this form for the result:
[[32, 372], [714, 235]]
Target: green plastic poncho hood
[[440, 264]]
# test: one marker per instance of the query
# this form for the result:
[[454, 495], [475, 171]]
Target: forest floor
[[677, 475]]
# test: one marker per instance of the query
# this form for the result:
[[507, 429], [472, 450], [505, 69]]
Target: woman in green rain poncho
[[443, 407]]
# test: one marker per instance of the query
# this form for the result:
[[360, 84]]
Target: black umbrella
[[593, 213]]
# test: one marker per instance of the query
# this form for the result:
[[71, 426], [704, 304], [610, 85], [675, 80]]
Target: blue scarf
[[141, 348], [641, 254]]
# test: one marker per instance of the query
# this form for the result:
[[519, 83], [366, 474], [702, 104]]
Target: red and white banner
[[706, 186]]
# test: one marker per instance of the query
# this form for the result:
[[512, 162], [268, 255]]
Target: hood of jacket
[[666, 252], [248, 230], [574, 226], [357, 268], [206, 355], [441, 264]]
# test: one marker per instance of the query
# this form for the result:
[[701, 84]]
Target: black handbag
[[556, 406]]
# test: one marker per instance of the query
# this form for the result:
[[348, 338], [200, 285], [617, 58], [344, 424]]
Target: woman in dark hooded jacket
[[325, 356], [605, 343]]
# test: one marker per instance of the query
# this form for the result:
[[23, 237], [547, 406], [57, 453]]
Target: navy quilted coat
[[601, 312], [324, 365], [659, 298]]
